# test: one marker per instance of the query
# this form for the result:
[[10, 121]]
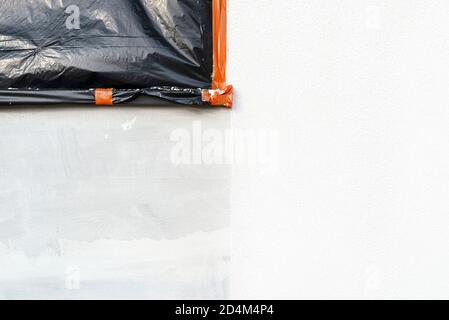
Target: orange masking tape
[[219, 97], [103, 97], [219, 31], [221, 93]]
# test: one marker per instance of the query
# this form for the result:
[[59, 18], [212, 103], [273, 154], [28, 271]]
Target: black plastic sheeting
[[156, 48]]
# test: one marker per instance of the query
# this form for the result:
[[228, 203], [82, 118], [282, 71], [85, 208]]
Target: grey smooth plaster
[[90, 195]]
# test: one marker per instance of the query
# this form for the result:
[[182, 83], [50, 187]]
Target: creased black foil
[[158, 48]]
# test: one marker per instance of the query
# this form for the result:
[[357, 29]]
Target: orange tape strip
[[219, 97], [221, 93], [103, 97], [219, 30]]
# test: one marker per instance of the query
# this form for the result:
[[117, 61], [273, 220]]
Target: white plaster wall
[[358, 91], [340, 192]]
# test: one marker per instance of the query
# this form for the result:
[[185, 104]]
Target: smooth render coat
[[91, 206]]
